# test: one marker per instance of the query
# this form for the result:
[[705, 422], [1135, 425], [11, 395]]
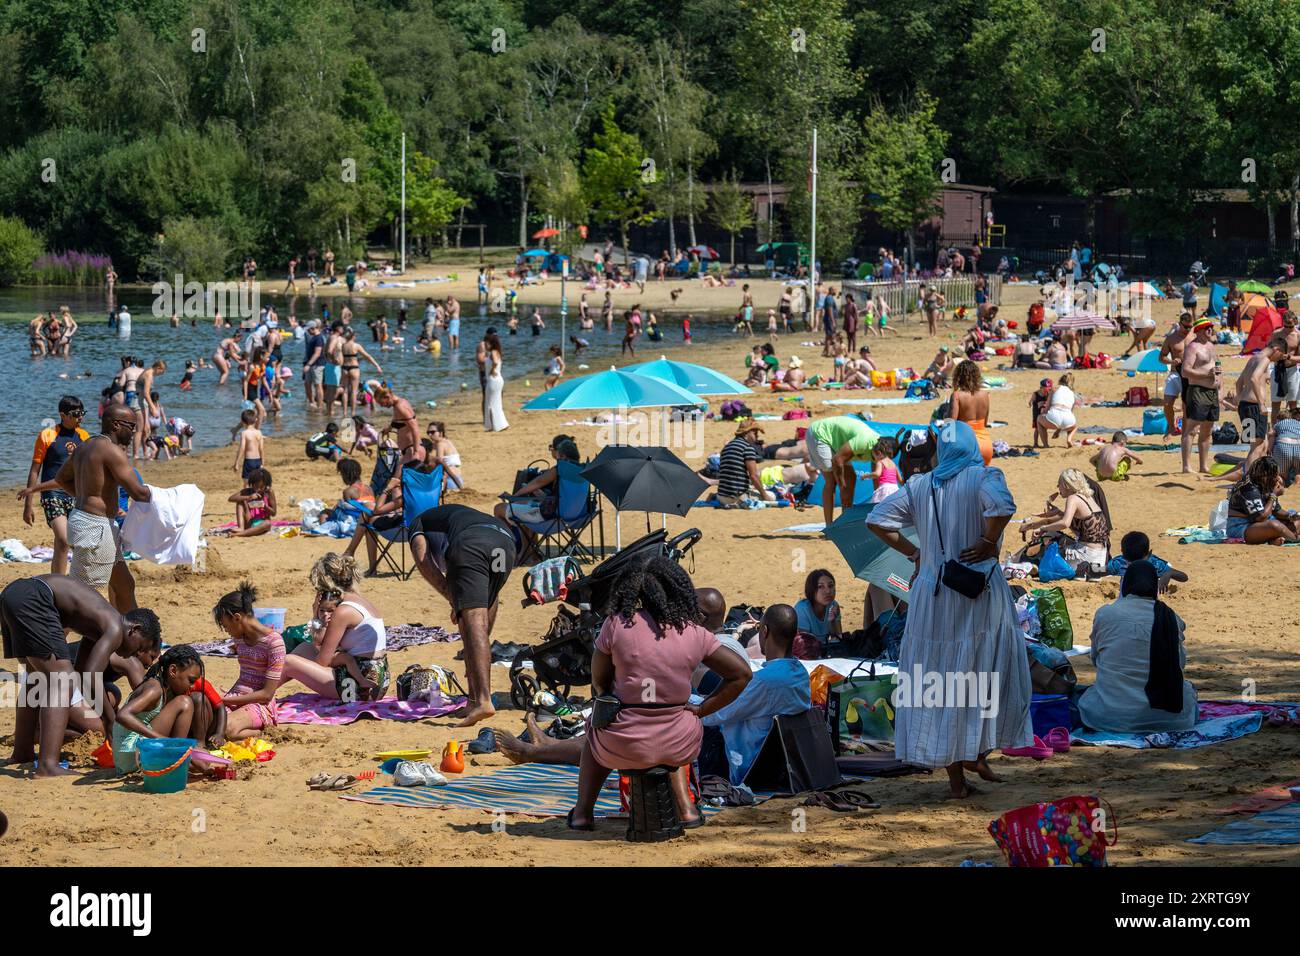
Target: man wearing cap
[[1201, 394], [738, 466], [54, 446], [858, 372], [1171, 354], [834, 444], [941, 367], [1284, 345], [313, 368]]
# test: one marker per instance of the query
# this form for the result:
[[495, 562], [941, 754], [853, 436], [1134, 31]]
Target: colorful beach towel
[[1206, 731], [397, 637], [1280, 827], [1284, 710], [1270, 798], [812, 527], [872, 401], [314, 709], [536, 790]]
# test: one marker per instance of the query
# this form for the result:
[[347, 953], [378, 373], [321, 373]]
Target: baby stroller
[[563, 659]]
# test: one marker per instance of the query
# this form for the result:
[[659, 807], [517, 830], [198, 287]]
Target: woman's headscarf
[[958, 450], [1164, 673]]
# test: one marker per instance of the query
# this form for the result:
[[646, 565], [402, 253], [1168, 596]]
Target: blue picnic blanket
[[1212, 730], [1280, 827]]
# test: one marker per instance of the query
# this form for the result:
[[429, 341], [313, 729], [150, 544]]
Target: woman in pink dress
[[647, 650]]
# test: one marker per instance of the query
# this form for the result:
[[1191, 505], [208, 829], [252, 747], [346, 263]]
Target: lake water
[[36, 384]]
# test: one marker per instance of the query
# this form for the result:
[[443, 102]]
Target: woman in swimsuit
[[970, 404], [1060, 412], [445, 454], [1085, 514], [351, 369]]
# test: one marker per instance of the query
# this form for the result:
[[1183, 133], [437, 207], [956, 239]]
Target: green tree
[[19, 248], [560, 196], [839, 207], [671, 110], [197, 249], [731, 208], [431, 203], [612, 178], [900, 162]]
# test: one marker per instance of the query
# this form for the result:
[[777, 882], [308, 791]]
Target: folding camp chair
[[577, 506], [387, 461], [420, 492]]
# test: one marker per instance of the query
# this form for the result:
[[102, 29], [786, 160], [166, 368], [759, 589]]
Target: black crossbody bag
[[961, 578]]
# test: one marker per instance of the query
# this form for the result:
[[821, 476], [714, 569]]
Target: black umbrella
[[644, 479]]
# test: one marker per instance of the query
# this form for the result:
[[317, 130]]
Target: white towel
[[166, 529]]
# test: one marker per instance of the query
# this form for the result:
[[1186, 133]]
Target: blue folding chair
[[576, 508], [420, 492]]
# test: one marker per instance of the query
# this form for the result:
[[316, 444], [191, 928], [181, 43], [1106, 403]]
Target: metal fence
[[904, 297]]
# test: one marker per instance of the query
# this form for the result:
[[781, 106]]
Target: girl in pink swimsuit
[[251, 702], [885, 474]]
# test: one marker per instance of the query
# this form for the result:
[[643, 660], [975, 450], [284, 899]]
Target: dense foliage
[[162, 132]]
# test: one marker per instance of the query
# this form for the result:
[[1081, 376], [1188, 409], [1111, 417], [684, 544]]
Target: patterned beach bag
[[1071, 831]]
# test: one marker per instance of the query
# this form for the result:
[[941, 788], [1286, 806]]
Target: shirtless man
[[333, 376], [1249, 396], [405, 426], [145, 387], [1200, 372], [1171, 354], [130, 379], [941, 367], [92, 476], [1286, 367], [794, 380], [35, 614], [858, 371]]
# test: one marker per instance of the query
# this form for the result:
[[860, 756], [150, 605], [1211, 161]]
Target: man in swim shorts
[[1200, 372], [1249, 397], [467, 556], [54, 446], [34, 614], [1284, 344], [833, 445], [1171, 353], [92, 475], [332, 375]]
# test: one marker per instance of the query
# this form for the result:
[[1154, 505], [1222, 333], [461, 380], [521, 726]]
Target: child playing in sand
[[1113, 459], [367, 437], [248, 458], [254, 505], [165, 704], [260, 650], [885, 472], [1136, 546]]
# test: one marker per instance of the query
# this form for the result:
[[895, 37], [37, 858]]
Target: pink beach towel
[[314, 709]]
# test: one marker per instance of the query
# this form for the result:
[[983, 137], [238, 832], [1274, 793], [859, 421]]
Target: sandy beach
[[1240, 631]]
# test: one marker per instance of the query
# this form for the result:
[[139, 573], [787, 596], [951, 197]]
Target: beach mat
[[812, 527], [1280, 827], [873, 401], [314, 709], [535, 790], [1270, 798], [397, 637], [1206, 731]]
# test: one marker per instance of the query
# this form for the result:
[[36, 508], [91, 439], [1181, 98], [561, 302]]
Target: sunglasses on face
[[79, 413]]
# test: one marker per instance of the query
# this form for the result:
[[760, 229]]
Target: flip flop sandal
[[842, 801], [1038, 750], [315, 780], [1058, 738], [586, 827], [340, 781], [693, 824]]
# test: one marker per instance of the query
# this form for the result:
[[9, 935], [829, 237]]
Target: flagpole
[[812, 244], [403, 203]]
